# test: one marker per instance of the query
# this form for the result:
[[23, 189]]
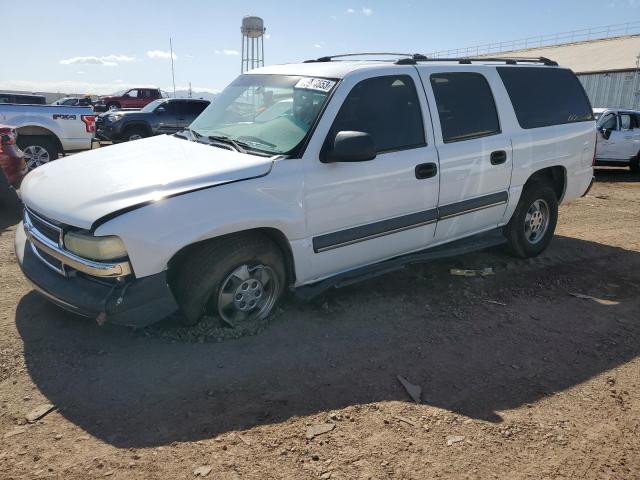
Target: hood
[[79, 189]]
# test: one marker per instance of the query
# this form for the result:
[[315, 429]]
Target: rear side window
[[387, 108], [195, 108], [544, 96], [465, 106]]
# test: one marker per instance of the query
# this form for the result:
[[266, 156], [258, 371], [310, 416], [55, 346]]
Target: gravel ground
[[520, 377]]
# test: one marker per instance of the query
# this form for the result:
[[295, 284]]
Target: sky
[[101, 47]]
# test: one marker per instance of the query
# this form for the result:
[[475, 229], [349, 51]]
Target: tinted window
[[169, 107], [465, 106], [543, 96], [387, 108], [195, 108]]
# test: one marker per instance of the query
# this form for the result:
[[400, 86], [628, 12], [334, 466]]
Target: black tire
[[134, 133], [203, 270], [31, 143], [519, 242], [112, 105], [634, 165]]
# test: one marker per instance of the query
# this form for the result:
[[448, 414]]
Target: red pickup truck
[[131, 98]]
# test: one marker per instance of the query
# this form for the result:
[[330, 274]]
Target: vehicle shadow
[[470, 356], [615, 175]]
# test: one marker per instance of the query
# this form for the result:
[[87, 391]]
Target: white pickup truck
[[306, 176], [45, 131], [618, 138]]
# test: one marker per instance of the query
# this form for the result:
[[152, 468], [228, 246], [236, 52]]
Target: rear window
[[545, 96]]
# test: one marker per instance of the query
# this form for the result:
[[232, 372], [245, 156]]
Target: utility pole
[[173, 73], [190, 92]]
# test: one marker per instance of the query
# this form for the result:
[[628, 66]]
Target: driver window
[[132, 93], [609, 122], [387, 108]]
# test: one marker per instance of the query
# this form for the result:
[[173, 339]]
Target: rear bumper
[[589, 187], [135, 302]]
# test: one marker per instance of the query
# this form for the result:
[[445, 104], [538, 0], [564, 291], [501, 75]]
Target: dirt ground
[[520, 379]]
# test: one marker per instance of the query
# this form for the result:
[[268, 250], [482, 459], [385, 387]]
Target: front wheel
[[239, 278], [531, 227], [634, 165]]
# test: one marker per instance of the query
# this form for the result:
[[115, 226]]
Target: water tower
[[252, 43]]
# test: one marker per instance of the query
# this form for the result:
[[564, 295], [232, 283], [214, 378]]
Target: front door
[[363, 212], [606, 148], [166, 117], [475, 155]]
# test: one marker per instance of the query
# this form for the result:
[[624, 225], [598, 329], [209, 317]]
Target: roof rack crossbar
[[328, 58], [470, 60]]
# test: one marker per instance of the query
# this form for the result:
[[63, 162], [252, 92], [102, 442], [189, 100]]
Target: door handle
[[498, 157], [426, 170]]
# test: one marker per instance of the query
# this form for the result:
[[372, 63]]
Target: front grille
[[45, 227], [48, 260]]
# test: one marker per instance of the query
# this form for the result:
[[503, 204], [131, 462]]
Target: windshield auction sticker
[[319, 84]]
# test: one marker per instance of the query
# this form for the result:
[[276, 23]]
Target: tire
[[112, 106], [38, 150], [634, 165], [134, 133], [531, 227], [212, 279]]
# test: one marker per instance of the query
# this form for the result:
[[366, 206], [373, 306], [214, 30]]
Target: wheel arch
[[275, 235], [137, 124], [556, 176], [39, 131]]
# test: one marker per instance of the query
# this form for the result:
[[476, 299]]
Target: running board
[[459, 247]]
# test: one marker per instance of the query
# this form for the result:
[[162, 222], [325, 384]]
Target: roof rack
[[413, 58]]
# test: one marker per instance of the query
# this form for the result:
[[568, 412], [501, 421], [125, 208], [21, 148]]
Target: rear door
[[475, 153], [187, 111]]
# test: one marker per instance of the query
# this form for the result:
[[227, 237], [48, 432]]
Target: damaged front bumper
[[133, 302]]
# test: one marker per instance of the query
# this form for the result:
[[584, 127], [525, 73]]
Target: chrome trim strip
[[29, 213], [471, 210], [370, 237], [97, 269]]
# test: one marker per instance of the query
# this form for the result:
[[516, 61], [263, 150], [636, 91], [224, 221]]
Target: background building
[[604, 58]]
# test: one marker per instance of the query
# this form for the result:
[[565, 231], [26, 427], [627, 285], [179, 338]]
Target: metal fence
[[594, 33]]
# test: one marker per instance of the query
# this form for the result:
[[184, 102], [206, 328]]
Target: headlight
[[95, 248], [114, 117]]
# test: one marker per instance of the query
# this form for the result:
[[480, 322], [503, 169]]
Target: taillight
[[8, 138], [89, 122]]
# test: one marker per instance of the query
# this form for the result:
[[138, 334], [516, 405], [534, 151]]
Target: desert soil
[[520, 378]]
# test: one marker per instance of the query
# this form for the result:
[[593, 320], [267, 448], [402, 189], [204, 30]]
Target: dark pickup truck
[[161, 116]]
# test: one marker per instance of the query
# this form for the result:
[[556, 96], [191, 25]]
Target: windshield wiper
[[238, 146]]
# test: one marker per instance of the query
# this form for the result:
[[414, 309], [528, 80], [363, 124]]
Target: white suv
[[618, 138], [308, 175]]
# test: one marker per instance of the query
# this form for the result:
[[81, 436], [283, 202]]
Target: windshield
[[150, 107], [269, 113]]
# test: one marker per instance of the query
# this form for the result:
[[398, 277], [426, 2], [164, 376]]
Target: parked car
[[12, 167], [374, 165], [45, 131], [22, 99], [618, 141], [11, 157], [158, 117], [131, 98], [74, 101]]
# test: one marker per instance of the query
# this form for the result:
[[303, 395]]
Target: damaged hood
[[79, 189]]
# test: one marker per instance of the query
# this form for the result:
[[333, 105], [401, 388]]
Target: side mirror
[[161, 110], [606, 133], [349, 146]]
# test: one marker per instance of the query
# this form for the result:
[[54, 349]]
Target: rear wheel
[[38, 150], [531, 227], [238, 278], [113, 106], [634, 165]]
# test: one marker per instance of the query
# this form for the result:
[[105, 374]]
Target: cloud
[[194, 89], [226, 52], [267, 36], [319, 44], [106, 60], [350, 10], [367, 11], [161, 54]]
